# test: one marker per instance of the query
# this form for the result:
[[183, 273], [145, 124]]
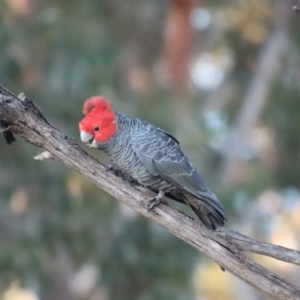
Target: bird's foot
[[114, 169], [111, 167], [155, 201]]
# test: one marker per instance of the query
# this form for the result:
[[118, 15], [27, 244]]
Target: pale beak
[[86, 138]]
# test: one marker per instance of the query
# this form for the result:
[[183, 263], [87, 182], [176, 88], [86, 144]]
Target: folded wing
[[161, 155]]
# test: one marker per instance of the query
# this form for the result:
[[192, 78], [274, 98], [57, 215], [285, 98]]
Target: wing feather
[[161, 155]]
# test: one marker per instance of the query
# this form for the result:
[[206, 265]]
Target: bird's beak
[[86, 138]]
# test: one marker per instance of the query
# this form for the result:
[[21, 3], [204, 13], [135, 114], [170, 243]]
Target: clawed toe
[[110, 168], [155, 201]]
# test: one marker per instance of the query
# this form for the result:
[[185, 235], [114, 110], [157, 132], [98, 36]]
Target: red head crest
[[99, 120], [98, 102]]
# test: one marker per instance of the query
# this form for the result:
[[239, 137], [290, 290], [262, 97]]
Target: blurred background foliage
[[222, 76]]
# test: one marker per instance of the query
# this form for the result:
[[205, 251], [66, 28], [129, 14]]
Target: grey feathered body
[[153, 157]]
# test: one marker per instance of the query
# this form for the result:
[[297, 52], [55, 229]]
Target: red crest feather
[[98, 102]]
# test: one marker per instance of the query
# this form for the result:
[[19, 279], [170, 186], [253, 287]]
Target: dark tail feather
[[214, 217], [208, 219]]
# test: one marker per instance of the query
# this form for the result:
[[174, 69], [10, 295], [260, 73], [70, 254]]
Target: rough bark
[[20, 116]]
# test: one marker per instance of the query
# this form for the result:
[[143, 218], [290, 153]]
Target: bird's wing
[[161, 155]]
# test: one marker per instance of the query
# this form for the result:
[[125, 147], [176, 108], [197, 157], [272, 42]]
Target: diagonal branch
[[225, 247]]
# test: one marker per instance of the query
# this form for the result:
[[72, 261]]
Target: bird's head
[[99, 124]]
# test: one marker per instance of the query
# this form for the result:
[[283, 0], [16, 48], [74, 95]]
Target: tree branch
[[225, 247], [247, 244]]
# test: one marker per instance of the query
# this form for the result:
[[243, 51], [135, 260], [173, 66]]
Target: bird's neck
[[125, 126]]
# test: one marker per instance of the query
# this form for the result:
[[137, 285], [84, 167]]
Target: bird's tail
[[210, 211], [212, 214]]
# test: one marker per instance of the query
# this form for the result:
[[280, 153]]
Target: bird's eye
[[96, 128]]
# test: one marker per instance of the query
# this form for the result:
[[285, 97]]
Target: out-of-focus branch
[[225, 247], [256, 98], [296, 7]]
